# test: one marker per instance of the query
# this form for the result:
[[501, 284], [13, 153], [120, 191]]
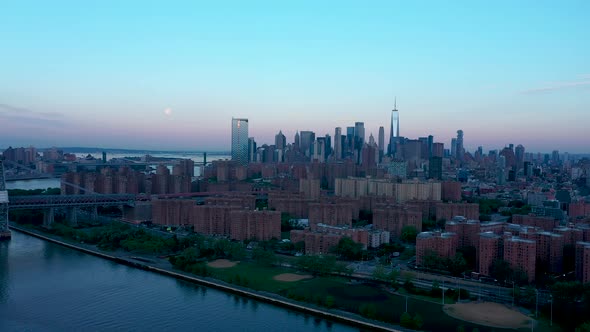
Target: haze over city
[[133, 75]]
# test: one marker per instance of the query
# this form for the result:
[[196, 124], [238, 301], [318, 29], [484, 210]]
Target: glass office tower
[[239, 140]]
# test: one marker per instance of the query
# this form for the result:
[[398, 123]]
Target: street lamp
[[443, 292], [406, 303], [479, 290], [513, 291], [551, 302], [536, 303], [458, 289]]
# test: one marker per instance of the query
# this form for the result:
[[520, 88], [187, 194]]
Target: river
[[46, 287]]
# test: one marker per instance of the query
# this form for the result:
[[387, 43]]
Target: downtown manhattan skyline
[[171, 76]]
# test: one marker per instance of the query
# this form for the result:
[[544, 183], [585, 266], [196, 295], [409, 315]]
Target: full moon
[[168, 111]]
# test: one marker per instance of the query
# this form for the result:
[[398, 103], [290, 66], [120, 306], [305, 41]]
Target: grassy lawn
[[448, 299], [346, 295], [258, 277]]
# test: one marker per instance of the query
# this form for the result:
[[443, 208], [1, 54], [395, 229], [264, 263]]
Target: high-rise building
[[338, 143], [319, 149], [307, 139], [359, 135], [519, 155], [251, 149], [454, 147], [438, 150], [381, 139], [435, 168], [328, 145], [349, 139], [394, 131], [297, 141], [280, 141], [239, 140], [460, 149]]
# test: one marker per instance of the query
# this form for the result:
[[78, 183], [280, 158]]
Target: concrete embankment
[[268, 298]]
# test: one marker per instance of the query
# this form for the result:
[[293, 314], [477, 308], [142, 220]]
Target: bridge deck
[[43, 201]]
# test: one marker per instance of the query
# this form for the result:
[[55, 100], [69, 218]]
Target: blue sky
[[102, 73]]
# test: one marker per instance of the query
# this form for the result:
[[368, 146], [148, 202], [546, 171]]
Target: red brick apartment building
[[212, 219], [293, 203], [467, 231], [316, 243], [490, 249], [393, 218], [583, 261], [255, 225], [521, 254], [447, 211], [444, 244], [335, 214], [545, 223], [321, 239]]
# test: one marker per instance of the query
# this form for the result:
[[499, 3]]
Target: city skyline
[[149, 77]]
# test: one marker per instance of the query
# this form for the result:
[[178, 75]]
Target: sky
[[170, 75]]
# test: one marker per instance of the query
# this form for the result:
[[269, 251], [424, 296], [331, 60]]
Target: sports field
[[489, 314]]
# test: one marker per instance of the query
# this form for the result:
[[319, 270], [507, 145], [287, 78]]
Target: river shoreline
[[269, 298]]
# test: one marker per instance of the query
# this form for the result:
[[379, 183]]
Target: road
[[479, 289]]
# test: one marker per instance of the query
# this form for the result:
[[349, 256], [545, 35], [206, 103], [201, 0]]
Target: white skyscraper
[[239, 140]]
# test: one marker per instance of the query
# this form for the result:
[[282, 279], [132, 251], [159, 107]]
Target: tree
[[368, 310], [299, 246], [379, 273], [457, 265], [409, 234], [583, 328], [406, 320], [501, 270], [470, 255], [348, 249], [435, 290], [329, 301], [317, 265], [264, 257], [431, 260], [417, 321], [392, 277]]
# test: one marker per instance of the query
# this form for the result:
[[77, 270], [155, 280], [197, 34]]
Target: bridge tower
[[4, 231]]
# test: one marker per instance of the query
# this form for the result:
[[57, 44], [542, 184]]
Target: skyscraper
[[251, 149], [297, 142], [381, 142], [280, 141], [460, 150], [394, 131], [307, 139], [519, 154], [371, 139], [239, 140], [349, 140], [338, 143], [359, 135], [381, 139]]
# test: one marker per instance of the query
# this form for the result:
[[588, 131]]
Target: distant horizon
[[228, 152], [170, 76]]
